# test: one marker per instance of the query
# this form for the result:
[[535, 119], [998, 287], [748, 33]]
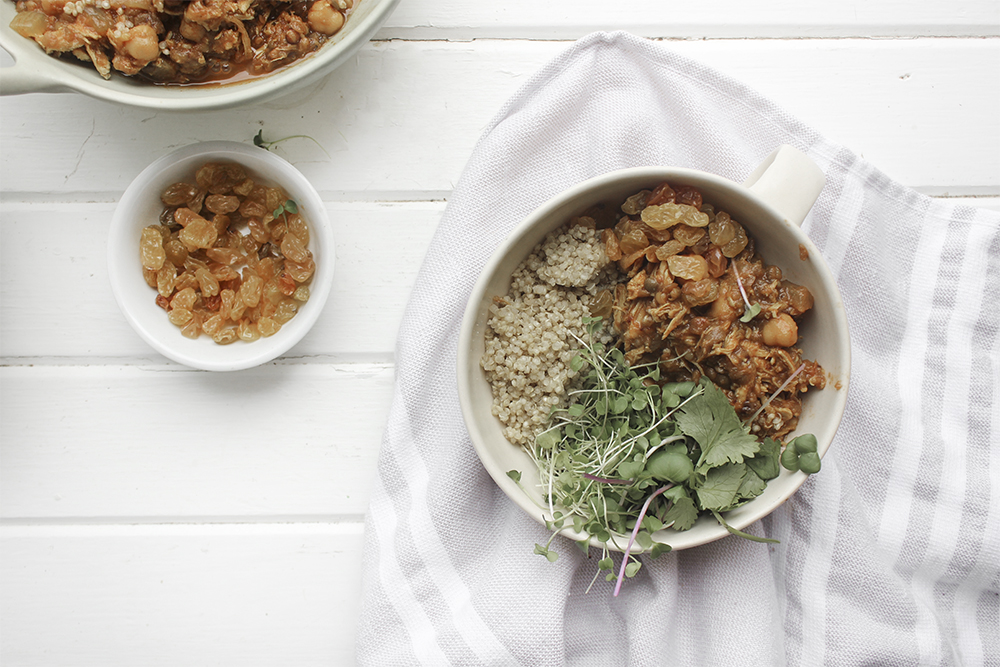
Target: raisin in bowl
[[221, 256]]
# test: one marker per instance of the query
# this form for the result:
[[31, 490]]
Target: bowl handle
[[21, 78], [789, 181]]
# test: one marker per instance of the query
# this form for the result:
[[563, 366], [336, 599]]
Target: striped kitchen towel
[[889, 556]]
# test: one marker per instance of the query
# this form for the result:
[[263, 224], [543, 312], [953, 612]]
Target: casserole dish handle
[[21, 78]]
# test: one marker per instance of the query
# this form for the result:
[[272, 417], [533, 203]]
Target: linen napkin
[[889, 556]]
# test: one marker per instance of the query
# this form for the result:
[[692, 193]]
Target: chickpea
[[727, 306], [142, 43], [192, 31], [324, 18], [782, 331]]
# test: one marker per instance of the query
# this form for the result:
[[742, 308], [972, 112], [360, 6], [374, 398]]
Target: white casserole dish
[[35, 71]]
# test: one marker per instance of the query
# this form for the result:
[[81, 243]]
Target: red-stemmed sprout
[[635, 531], [749, 312]]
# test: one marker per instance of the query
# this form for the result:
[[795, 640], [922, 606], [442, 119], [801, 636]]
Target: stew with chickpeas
[[698, 299], [181, 41]]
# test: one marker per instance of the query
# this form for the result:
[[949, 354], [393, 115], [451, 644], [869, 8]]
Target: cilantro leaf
[[718, 491], [751, 486], [712, 422], [682, 513], [765, 461]]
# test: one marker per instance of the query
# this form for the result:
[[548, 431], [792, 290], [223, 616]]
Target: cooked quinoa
[[529, 333]]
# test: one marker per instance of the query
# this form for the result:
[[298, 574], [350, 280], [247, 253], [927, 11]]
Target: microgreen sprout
[[288, 207], [800, 454], [635, 531], [630, 455], [749, 312], [606, 480]]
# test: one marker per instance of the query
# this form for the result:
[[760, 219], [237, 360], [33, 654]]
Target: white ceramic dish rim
[[707, 530], [36, 72], [137, 301]]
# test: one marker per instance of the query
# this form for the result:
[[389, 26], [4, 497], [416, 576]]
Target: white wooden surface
[[154, 515]]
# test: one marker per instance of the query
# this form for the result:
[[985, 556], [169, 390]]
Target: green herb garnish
[[749, 311], [629, 455], [288, 207], [800, 454]]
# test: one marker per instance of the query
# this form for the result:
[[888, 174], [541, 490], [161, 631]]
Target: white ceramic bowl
[[36, 72], [141, 206], [824, 334]]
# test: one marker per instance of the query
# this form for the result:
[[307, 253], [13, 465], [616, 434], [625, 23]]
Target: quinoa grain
[[530, 331]]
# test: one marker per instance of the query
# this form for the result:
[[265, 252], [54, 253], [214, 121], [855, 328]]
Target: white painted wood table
[[155, 515]]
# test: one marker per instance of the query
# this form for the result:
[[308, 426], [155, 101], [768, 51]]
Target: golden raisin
[[738, 242], [222, 203], [669, 214], [151, 250], [212, 277], [199, 233], [688, 235], [268, 326], [688, 267], [179, 194]]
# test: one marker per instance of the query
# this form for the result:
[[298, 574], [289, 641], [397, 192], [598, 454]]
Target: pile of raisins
[[229, 257]]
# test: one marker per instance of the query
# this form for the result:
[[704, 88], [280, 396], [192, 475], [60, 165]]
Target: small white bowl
[[771, 211], [140, 206]]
